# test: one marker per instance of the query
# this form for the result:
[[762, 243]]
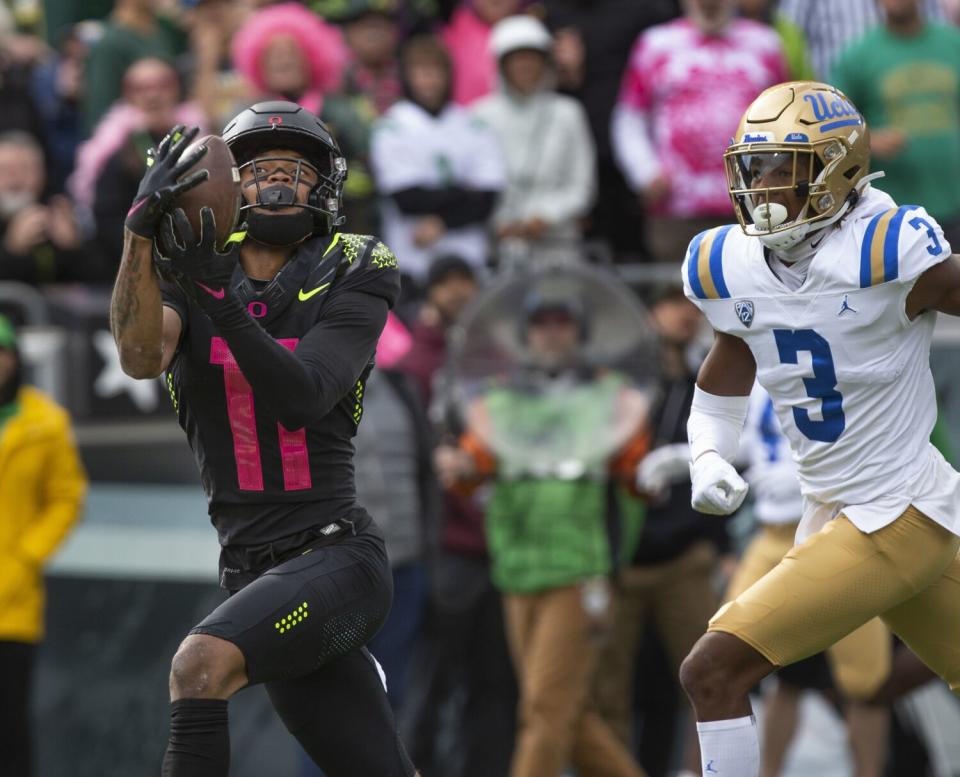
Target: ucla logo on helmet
[[838, 108], [744, 310]]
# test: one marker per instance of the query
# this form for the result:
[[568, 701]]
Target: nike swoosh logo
[[303, 296], [218, 294]]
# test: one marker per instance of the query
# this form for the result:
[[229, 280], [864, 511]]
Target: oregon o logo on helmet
[[275, 120]]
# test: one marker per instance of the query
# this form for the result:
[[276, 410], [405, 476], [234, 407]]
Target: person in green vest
[[547, 530]]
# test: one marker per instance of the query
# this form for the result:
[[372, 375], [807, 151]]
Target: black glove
[[198, 267], [159, 186]]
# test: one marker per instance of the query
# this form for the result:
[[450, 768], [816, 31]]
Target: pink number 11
[[294, 458]]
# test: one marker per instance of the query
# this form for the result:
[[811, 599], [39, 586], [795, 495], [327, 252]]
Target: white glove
[[717, 488], [662, 467]]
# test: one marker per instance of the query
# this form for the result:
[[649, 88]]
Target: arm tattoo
[[126, 304]]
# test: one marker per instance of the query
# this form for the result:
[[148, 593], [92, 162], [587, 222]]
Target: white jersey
[[772, 472], [848, 372], [411, 148]]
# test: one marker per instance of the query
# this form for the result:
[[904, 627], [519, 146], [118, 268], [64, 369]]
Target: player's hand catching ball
[[160, 186], [198, 267], [717, 488]]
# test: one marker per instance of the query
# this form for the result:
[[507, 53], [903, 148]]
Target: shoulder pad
[[353, 246], [899, 244], [368, 264], [703, 266]]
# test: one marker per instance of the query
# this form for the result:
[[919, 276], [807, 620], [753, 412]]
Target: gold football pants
[[907, 573], [860, 662]]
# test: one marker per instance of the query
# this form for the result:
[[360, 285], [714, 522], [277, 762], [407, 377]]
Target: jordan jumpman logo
[[846, 307]]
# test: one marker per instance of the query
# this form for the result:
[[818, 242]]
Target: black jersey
[[264, 481]]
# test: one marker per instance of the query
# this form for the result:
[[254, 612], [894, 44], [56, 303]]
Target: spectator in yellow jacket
[[42, 485]]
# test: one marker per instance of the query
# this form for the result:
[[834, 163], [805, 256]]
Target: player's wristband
[[715, 424]]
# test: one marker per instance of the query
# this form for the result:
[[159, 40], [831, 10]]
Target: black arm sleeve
[[302, 386], [456, 206]]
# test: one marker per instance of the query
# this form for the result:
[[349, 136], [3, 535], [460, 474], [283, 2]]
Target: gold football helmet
[[800, 141]]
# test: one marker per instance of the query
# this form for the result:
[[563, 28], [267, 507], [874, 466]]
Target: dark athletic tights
[[339, 714]]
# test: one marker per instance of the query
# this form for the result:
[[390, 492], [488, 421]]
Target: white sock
[[730, 748]]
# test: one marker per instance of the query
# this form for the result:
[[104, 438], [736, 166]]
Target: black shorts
[[310, 609]]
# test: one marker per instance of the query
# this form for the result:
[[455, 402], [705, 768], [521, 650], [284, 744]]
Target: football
[[220, 192]]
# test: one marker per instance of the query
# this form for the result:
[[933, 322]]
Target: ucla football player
[[827, 294], [858, 666]]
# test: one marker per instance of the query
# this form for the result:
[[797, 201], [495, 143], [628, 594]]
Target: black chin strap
[[279, 229]]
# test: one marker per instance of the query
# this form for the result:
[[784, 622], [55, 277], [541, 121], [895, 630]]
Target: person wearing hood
[[42, 486], [551, 164], [436, 168]]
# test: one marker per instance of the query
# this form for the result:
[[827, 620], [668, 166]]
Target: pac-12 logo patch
[[744, 311]]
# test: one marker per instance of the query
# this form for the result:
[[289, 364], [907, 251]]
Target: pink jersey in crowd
[[693, 90], [467, 38]]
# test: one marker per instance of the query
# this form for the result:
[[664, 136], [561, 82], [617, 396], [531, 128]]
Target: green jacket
[[547, 523]]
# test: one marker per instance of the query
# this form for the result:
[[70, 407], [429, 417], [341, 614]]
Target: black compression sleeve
[[303, 385], [199, 739]]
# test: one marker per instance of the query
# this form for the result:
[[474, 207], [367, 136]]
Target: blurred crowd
[[485, 135], [574, 130]]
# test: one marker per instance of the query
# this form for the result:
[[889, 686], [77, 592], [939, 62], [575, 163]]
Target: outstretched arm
[[936, 289], [146, 332]]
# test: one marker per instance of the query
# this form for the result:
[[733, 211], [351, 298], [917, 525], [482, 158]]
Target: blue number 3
[[917, 223], [822, 386]]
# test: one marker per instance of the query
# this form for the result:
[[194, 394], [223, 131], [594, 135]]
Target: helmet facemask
[[801, 170], [276, 217]]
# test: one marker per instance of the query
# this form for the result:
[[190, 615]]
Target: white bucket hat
[[519, 32]]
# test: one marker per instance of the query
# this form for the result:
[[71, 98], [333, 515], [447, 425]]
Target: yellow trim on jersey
[[703, 265], [877, 245], [336, 239]]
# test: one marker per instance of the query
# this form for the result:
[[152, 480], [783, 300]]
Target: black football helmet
[[278, 124]]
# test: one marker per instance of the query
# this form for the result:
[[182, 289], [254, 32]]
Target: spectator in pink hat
[[286, 52]]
